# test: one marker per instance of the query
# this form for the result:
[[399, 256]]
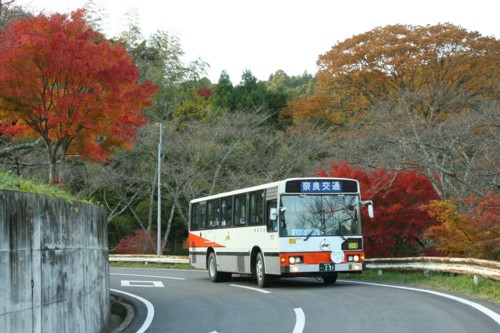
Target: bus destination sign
[[320, 186]]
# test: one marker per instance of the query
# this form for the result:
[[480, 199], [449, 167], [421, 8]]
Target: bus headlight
[[353, 258], [295, 260]]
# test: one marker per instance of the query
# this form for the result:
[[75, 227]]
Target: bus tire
[[213, 273], [263, 279], [331, 278]]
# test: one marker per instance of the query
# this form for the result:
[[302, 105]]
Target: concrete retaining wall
[[54, 270]]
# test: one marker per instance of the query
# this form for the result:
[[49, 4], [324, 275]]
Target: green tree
[[160, 60], [250, 94], [96, 15], [293, 86], [223, 94]]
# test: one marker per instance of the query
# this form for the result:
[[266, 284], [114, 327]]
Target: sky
[[264, 36]]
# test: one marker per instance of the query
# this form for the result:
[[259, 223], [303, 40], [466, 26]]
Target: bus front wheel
[[263, 279], [213, 274]]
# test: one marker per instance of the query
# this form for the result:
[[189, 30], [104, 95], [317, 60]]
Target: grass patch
[[9, 181], [117, 308], [488, 290]]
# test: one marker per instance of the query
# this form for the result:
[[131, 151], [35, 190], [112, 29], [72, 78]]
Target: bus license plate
[[327, 267]]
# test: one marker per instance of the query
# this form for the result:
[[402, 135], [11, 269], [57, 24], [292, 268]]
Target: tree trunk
[[53, 171]]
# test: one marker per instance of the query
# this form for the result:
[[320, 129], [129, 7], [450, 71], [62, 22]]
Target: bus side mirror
[[369, 203], [273, 212], [370, 211]]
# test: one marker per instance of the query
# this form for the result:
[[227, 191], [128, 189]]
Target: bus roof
[[264, 186]]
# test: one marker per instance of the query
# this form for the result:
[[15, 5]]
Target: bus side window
[[202, 222], [198, 216], [257, 208], [195, 217], [213, 213], [227, 212], [240, 209]]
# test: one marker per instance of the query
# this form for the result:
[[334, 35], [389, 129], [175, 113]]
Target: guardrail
[[149, 258], [476, 267]]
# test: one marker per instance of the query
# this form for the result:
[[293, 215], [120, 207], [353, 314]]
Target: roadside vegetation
[[409, 111], [9, 181]]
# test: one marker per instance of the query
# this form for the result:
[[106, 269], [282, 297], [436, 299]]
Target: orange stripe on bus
[[197, 241]]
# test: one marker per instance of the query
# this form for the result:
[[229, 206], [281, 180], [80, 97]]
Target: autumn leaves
[[69, 86]]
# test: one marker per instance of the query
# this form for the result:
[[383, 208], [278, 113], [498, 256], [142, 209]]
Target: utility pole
[[160, 148]]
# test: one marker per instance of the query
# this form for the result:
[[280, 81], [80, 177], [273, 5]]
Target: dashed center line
[[300, 321]]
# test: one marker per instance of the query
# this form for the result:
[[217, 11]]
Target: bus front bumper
[[322, 268]]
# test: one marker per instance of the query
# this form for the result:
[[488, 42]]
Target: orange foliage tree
[[473, 230], [430, 67], [63, 82], [400, 223]]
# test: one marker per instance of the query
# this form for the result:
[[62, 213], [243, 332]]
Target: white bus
[[293, 227]]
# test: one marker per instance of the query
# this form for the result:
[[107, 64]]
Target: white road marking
[[134, 283], [150, 310], [251, 288], [149, 276], [493, 315], [300, 322]]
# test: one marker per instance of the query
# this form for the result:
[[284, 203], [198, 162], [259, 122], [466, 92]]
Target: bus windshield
[[320, 215]]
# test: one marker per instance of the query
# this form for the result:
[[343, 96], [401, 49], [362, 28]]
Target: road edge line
[[150, 309], [490, 313]]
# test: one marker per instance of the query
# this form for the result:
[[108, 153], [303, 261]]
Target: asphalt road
[[178, 301]]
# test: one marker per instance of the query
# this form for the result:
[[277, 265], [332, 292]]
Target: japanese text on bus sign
[[320, 186]]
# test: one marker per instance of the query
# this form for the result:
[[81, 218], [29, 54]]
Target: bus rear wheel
[[331, 278], [263, 279]]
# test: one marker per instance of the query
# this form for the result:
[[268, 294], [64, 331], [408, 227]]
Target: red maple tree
[[205, 92], [63, 82], [400, 222], [143, 242]]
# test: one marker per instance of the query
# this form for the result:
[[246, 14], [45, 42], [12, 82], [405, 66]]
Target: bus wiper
[[310, 234]]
